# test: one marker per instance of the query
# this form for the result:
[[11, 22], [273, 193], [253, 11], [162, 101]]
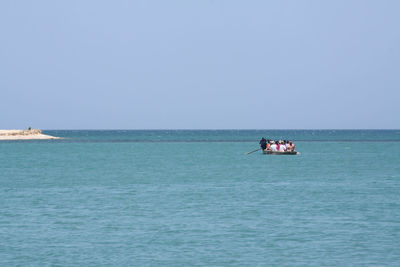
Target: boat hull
[[269, 152]]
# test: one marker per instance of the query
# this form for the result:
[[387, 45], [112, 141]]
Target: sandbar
[[24, 135]]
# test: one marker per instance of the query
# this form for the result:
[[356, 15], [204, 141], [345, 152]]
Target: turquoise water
[[193, 198]]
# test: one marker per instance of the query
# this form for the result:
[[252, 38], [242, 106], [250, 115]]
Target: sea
[[195, 198]]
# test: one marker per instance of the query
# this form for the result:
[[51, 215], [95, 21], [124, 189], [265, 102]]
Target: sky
[[204, 64]]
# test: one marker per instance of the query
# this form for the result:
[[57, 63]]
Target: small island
[[30, 134]]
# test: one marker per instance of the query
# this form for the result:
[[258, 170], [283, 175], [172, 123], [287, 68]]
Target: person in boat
[[268, 145], [287, 145], [282, 147], [291, 146], [274, 146], [263, 143], [278, 144]]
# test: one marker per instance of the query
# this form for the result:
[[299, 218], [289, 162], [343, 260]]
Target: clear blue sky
[[205, 64]]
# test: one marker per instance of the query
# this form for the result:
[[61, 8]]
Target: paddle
[[252, 151]]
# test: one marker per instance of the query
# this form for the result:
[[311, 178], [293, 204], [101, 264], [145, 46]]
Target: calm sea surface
[[193, 198]]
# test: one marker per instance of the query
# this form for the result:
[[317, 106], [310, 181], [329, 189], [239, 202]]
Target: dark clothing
[[263, 143]]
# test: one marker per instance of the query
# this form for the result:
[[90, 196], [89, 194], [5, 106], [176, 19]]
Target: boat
[[269, 152]]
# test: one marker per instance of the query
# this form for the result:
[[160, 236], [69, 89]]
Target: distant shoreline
[[33, 134]]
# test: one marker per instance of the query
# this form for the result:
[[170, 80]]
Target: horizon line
[[223, 129]]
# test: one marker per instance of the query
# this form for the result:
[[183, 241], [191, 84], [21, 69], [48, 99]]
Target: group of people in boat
[[278, 146]]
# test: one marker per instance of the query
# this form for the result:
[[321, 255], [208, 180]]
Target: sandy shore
[[24, 135]]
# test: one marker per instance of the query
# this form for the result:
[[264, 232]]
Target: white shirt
[[282, 148], [274, 147]]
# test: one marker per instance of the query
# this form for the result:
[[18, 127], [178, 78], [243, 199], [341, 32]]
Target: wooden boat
[[269, 152]]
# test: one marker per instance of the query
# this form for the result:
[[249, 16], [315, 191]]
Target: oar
[[252, 151]]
